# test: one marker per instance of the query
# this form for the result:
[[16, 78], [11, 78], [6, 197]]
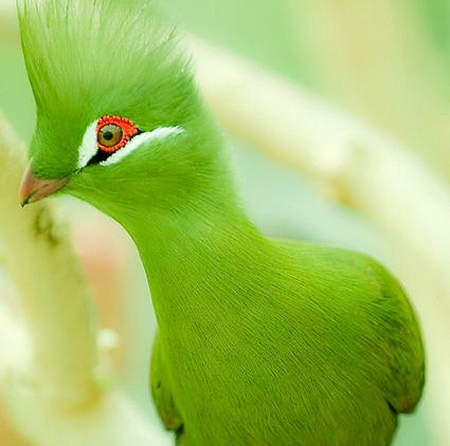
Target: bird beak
[[34, 189]]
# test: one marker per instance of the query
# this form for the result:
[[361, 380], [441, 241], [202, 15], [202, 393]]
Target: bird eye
[[110, 135], [114, 132]]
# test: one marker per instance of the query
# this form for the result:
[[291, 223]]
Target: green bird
[[261, 342]]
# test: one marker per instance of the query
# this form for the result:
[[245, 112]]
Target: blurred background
[[385, 61]]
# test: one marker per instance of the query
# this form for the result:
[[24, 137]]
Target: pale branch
[[55, 298], [14, 356], [7, 8], [15, 346], [113, 421], [8, 20], [378, 59]]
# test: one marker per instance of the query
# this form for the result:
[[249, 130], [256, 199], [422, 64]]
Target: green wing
[[161, 392], [403, 345], [380, 312]]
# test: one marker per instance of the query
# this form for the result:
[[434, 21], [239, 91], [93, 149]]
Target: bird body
[[260, 342], [298, 349]]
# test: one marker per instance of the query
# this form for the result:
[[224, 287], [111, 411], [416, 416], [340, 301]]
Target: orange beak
[[34, 189]]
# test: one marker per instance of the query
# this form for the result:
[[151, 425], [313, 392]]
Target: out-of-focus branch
[[364, 169], [8, 20], [7, 8], [15, 354], [40, 260], [113, 421], [48, 382], [376, 58]]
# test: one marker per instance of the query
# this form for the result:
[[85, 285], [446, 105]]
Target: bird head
[[119, 122]]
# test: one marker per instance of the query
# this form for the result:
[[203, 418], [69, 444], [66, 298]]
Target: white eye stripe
[[157, 134], [89, 148]]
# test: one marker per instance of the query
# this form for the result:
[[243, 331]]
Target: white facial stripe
[[157, 134], [88, 147]]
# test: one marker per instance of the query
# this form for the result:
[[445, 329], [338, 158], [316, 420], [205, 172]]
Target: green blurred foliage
[[256, 29], [16, 100], [436, 15]]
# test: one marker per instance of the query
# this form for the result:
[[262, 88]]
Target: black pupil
[[108, 135]]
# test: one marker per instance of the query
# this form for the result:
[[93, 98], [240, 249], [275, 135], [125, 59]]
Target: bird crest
[[88, 51]]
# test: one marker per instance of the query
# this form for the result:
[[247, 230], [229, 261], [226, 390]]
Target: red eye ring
[[126, 130]]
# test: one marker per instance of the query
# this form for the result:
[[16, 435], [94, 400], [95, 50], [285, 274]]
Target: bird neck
[[192, 260]]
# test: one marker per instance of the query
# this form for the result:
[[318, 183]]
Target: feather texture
[[78, 45]]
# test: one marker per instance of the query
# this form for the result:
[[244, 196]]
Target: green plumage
[[261, 342]]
